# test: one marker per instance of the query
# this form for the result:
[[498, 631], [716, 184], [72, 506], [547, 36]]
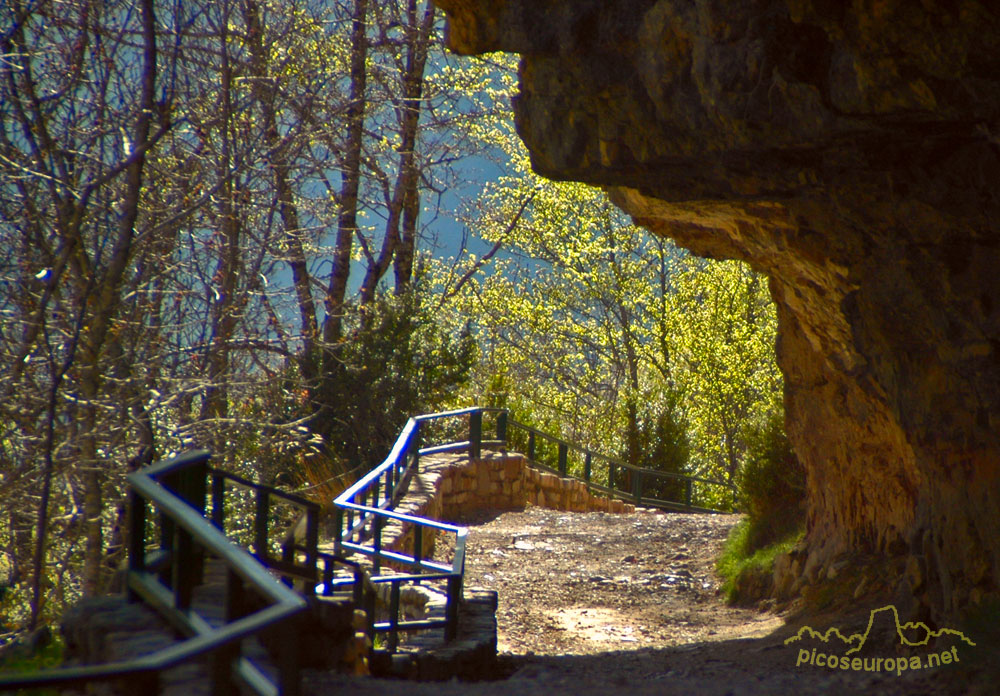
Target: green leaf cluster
[[591, 327]]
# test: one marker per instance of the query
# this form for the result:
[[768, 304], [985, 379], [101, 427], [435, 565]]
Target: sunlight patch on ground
[[598, 625]]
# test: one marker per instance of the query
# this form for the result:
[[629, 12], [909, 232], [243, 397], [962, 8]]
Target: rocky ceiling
[[851, 151]]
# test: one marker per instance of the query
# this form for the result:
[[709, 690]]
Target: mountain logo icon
[[911, 633]]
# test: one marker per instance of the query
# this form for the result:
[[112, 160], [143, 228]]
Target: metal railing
[[166, 577], [363, 511], [608, 475]]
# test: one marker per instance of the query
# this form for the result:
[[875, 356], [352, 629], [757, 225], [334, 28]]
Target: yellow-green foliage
[[18, 660], [739, 559], [593, 328]]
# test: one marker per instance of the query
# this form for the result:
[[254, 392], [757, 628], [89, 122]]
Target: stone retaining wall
[[451, 488], [500, 481]]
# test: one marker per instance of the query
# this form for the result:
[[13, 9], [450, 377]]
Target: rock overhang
[[852, 154]]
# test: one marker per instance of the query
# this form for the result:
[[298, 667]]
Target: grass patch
[[747, 571], [46, 657], [20, 659]]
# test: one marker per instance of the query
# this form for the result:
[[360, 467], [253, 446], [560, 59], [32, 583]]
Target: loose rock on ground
[[593, 602]]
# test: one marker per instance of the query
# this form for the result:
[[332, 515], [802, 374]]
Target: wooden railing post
[[260, 523], [312, 547], [563, 458], [288, 556], [587, 463], [221, 671], [369, 604], [418, 544], [136, 537], [196, 486], [415, 447], [611, 475], [687, 493], [184, 568], [531, 446], [359, 588], [475, 434], [289, 678], [377, 543], [338, 528], [637, 486], [451, 609], [327, 577], [219, 501], [167, 530], [502, 428], [235, 597], [393, 616]]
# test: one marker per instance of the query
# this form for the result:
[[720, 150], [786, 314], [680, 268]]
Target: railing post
[[327, 576], [167, 531], [502, 428], [418, 544], [611, 475], [218, 501], [288, 556], [196, 486], [289, 679], [369, 604], [587, 463], [195, 492], [475, 434], [531, 446], [184, 568], [260, 524], [451, 609], [563, 458], [687, 493], [221, 671], [136, 536], [393, 616], [637, 486], [377, 543], [338, 529], [359, 594], [416, 446], [312, 546], [235, 597]]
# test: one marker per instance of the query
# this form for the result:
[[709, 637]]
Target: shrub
[[772, 484]]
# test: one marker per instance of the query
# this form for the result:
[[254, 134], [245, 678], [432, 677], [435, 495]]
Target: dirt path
[[591, 603], [585, 584]]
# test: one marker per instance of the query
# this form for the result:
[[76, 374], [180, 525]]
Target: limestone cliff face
[[852, 152]]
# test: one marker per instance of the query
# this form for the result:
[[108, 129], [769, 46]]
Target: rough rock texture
[[852, 152]]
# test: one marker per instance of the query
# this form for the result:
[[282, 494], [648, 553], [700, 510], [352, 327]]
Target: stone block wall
[[500, 481], [451, 488]]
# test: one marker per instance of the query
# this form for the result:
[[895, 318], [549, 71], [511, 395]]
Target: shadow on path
[[724, 668]]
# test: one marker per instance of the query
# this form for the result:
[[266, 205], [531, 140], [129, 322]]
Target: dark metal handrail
[[176, 488], [637, 474], [362, 511]]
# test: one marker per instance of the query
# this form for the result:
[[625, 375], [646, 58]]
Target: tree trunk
[[401, 225], [347, 221], [264, 93]]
